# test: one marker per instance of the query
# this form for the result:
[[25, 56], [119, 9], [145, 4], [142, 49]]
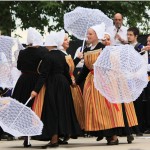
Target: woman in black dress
[[27, 63], [58, 113]]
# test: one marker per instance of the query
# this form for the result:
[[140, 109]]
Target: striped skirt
[[101, 114], [78, 105], [38, 102]]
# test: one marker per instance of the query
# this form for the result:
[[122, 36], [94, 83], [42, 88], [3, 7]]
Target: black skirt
[[58, 113], [24, 87]]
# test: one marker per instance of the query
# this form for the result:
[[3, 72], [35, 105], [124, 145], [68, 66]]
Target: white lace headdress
[[34, 37]]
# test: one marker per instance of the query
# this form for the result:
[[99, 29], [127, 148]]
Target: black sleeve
[[43, 52], [67, 75], [83, 74], [138, 47], [76, 61], [44, 70], [19, 60]]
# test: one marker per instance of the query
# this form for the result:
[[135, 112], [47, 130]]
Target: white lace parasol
[[80, 19], [17, 119], [120, 74], [9, 50]]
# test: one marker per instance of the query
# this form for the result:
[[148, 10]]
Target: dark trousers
[[147, 106], [139, 109]]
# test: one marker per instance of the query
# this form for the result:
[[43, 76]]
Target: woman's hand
[[33, 94], [74, 84], [80, 55]]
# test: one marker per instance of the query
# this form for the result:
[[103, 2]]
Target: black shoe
[[139, 134], [50, 145], [4, 136], [25, 144], [10, 138], [147, 132], [108, 138], [73, 137], [67, 138], [99, 138], [113, 142], [62, 142], [130, 138]]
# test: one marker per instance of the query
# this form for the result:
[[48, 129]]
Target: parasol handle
[[21, 111], [83, 45], [28, 101]]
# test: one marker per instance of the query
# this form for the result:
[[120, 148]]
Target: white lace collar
[[64, 52], [92, 47]]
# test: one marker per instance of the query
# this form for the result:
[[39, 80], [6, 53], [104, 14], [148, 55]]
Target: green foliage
[[50, 13], [6, 23]]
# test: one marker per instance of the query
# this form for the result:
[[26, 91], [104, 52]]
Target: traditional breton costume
[[58, 113], [102, 118], [76, 91], [27, 63]]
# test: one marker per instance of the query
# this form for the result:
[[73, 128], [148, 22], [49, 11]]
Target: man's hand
[[117, 36], [33, 94], [146, 48], [120, 39]]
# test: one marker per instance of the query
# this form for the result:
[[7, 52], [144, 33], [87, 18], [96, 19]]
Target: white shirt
[[122, 32], [133, 44]]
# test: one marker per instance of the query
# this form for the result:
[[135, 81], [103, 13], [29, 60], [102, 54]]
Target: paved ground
[[140, 143]]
